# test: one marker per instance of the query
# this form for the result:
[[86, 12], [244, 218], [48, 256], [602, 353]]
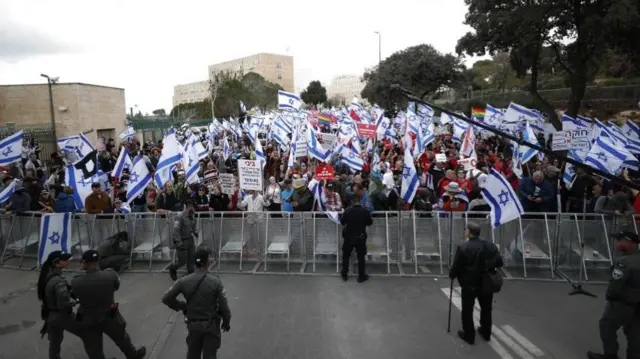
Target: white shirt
[[252, 204], [273, 192]]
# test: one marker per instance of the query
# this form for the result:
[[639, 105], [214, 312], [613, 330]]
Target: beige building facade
[[191, 92], [345, 87], [273, 67], [78, 108]]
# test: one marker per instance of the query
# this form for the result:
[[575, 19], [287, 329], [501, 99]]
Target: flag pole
[[411, 97]]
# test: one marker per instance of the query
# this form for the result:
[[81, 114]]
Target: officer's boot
[[140, 353], [173, 273], [592, 355]]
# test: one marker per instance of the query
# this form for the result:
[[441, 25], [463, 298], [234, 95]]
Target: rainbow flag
[[477, 112], [324, 119]]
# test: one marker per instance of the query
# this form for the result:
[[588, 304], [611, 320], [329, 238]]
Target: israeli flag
[[198, 147], [288, 101], [190, 163], [75, 147], [138, 180], [351, 158], [243, 108], [605, 157], [505, 205], [409, 178], [55, 234], [292, 149], [315, 187], [11, 148], [6, 193], [123, 161], [128, 134], [259, 152], [526, 153], [226, 149], [125, 208], [468, 148], [314, 147], [171, 154]]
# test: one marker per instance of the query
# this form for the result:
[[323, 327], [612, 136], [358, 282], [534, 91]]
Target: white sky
[[147, 47]]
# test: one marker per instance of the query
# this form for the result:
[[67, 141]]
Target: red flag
[[354, 116]]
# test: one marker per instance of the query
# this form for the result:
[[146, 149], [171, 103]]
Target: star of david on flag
[[505, 204], [55, 235]]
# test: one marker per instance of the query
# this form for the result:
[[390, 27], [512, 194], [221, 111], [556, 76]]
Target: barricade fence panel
[[538, 245]]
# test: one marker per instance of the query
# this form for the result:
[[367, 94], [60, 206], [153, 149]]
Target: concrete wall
[[87, 107]]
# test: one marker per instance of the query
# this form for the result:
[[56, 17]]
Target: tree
[[314, 94], [420, 69], [576, 33], [159, 112], [260, 92]]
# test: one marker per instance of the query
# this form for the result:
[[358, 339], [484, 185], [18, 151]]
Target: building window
[[278, 65], [279, 76]]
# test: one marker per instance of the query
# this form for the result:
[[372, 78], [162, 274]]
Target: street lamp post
[[379, 46], [51, 82]]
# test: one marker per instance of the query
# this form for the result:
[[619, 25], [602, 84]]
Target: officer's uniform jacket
[[95, 289], [207, 303], [184, 227], [624, 285], [57, 295]]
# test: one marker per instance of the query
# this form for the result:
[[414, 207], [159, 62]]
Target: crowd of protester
[[445, 186]]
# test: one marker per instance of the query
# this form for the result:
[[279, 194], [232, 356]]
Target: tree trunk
[[578, 89], [544, 105]]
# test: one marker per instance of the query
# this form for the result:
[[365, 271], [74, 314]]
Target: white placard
[[441, 157], [227, 182], [327, 140], [301, 149], [250, 175], [571, 140], [468, 163]]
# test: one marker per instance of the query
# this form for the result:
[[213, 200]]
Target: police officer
[[184, 232], [57, 302], [206, 309], [623, 301], [355, 219], [98, 312], [473, 260], [112, 254]]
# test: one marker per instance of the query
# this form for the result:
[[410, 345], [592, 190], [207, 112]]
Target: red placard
[[367, 131], [325, 172]]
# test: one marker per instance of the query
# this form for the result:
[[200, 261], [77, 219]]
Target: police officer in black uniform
[[206, 309], [184, 234], [98, 312], [113, 254], [57, 302], [623, 301], [355, 219], [473, 259]]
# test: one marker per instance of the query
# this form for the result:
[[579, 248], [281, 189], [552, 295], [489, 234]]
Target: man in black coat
[[473, 260], [355, 219]]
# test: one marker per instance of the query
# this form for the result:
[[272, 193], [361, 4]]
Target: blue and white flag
[[139, 179], [259, 152], [351, 158], [171, 154], [190, 163], [243, 108], [128, 134], [124, 208], [526, 153], [75, 147], [292, 149], [55, 234], [315, 187], [605, 156], [123, 161], [505, 204], [409, 177], [11, 148], [226, 149], [314, 147], [6, 193], [288, 101]]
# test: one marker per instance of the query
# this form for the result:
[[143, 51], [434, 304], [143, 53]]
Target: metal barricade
[[426, 245], [282, 230], [326, 236], [21, 246], [240, 234]]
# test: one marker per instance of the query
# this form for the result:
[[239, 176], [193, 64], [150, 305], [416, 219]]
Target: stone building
[[274, 68], [78, 108], [191, 92]]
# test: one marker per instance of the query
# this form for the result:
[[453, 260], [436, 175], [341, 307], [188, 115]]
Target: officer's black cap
[[91, 256], [58, 256], [202, 256], [631, 236]]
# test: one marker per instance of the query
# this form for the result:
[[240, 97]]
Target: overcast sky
[[147, 47]]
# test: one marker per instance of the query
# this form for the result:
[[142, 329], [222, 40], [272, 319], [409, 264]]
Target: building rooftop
[[64, 83]]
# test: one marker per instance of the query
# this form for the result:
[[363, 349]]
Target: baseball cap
[[58, 255], [631, 236], [91, 256], [202, 256]]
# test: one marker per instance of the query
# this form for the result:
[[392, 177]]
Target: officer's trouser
[[618, 314], [115, 262], [185, 254], [115, 328], [203, 339], [360, 245], [57, 323]]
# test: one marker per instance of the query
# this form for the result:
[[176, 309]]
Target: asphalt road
[[322, 317]]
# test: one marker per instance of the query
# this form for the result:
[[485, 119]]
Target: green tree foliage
[[543, 36], [228, 88], [420, 69], [314, 94]]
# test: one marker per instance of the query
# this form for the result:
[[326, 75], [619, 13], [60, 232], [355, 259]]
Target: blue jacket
[[65, 203], [542, 190]]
